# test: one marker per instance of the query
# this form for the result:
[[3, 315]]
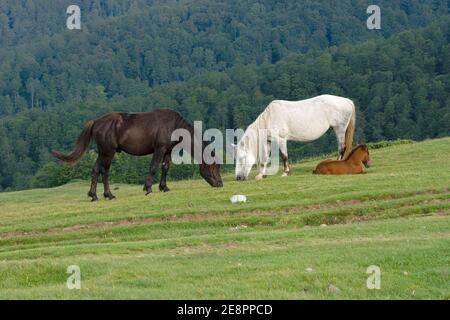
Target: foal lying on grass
[[353, 164]]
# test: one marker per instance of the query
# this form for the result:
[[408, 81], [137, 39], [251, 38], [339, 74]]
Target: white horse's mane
[[252, 133]]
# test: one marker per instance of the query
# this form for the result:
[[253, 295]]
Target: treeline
[[125, 47], [400, 86]]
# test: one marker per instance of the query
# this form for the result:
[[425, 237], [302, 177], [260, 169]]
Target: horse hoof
[[285, 174], [94, 198], [110, 197], [148, 192], [165, 189], [259, 177]]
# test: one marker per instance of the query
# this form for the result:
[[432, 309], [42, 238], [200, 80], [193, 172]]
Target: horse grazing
[[303, 120], [353, 164], [138, 134]]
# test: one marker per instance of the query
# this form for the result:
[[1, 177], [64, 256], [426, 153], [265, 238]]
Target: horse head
[[366, 159], [361, 154], [210, 169], [211, 174], [245, 155]]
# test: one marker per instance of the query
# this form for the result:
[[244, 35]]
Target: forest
[[215, 61]]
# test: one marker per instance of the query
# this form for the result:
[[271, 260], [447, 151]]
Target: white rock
[[238, 198]]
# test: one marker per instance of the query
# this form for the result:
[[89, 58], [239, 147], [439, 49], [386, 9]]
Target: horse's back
[[308, 119], [325, 101], [162, 115], [137, 133]]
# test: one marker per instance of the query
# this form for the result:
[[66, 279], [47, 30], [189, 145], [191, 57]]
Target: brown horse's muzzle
[[211, 174], [214, 182], [218, 183]]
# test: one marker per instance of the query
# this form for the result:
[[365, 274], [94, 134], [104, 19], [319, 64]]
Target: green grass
[[193, 243]]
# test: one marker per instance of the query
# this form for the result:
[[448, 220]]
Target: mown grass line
[[305, 204], [343, 213], [306, 207], [221, 231]]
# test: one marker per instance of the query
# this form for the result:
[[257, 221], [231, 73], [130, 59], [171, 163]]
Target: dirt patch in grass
[[179, 217], [211, 216]]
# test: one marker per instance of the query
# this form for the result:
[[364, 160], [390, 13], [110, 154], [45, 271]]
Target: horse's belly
[[308, 131], [136, 144], [136, 151]]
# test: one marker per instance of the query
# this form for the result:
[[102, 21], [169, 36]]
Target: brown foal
[[353, 164]]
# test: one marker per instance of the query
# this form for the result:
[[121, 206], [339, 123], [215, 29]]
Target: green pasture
[[299, 237]]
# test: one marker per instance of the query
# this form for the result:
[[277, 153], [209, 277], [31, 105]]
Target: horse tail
[[82, 144], [349, 133]]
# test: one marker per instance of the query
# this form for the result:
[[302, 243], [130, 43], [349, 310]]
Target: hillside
[[193, 243], [127, 46], [400, 87]]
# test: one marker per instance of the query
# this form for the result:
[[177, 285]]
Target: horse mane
[[261, 120], [252, 134], [259, 123], [182, 123], [354, 150]]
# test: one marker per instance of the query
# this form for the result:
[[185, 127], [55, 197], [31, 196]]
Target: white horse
[[304, 120]]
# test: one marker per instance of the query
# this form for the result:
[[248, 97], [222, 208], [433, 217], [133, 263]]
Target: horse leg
[[156, 159], [95, 172], [105, 164], [340, 135], [265, 153], [165, 168], [284, 156]]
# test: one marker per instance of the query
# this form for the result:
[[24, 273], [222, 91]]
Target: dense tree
[[126, 46], [220, 62]]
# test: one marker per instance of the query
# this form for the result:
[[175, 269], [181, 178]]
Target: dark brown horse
[[353, 164], [137, 134]]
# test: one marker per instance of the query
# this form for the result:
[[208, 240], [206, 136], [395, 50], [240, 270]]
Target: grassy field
[[293, 238]]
